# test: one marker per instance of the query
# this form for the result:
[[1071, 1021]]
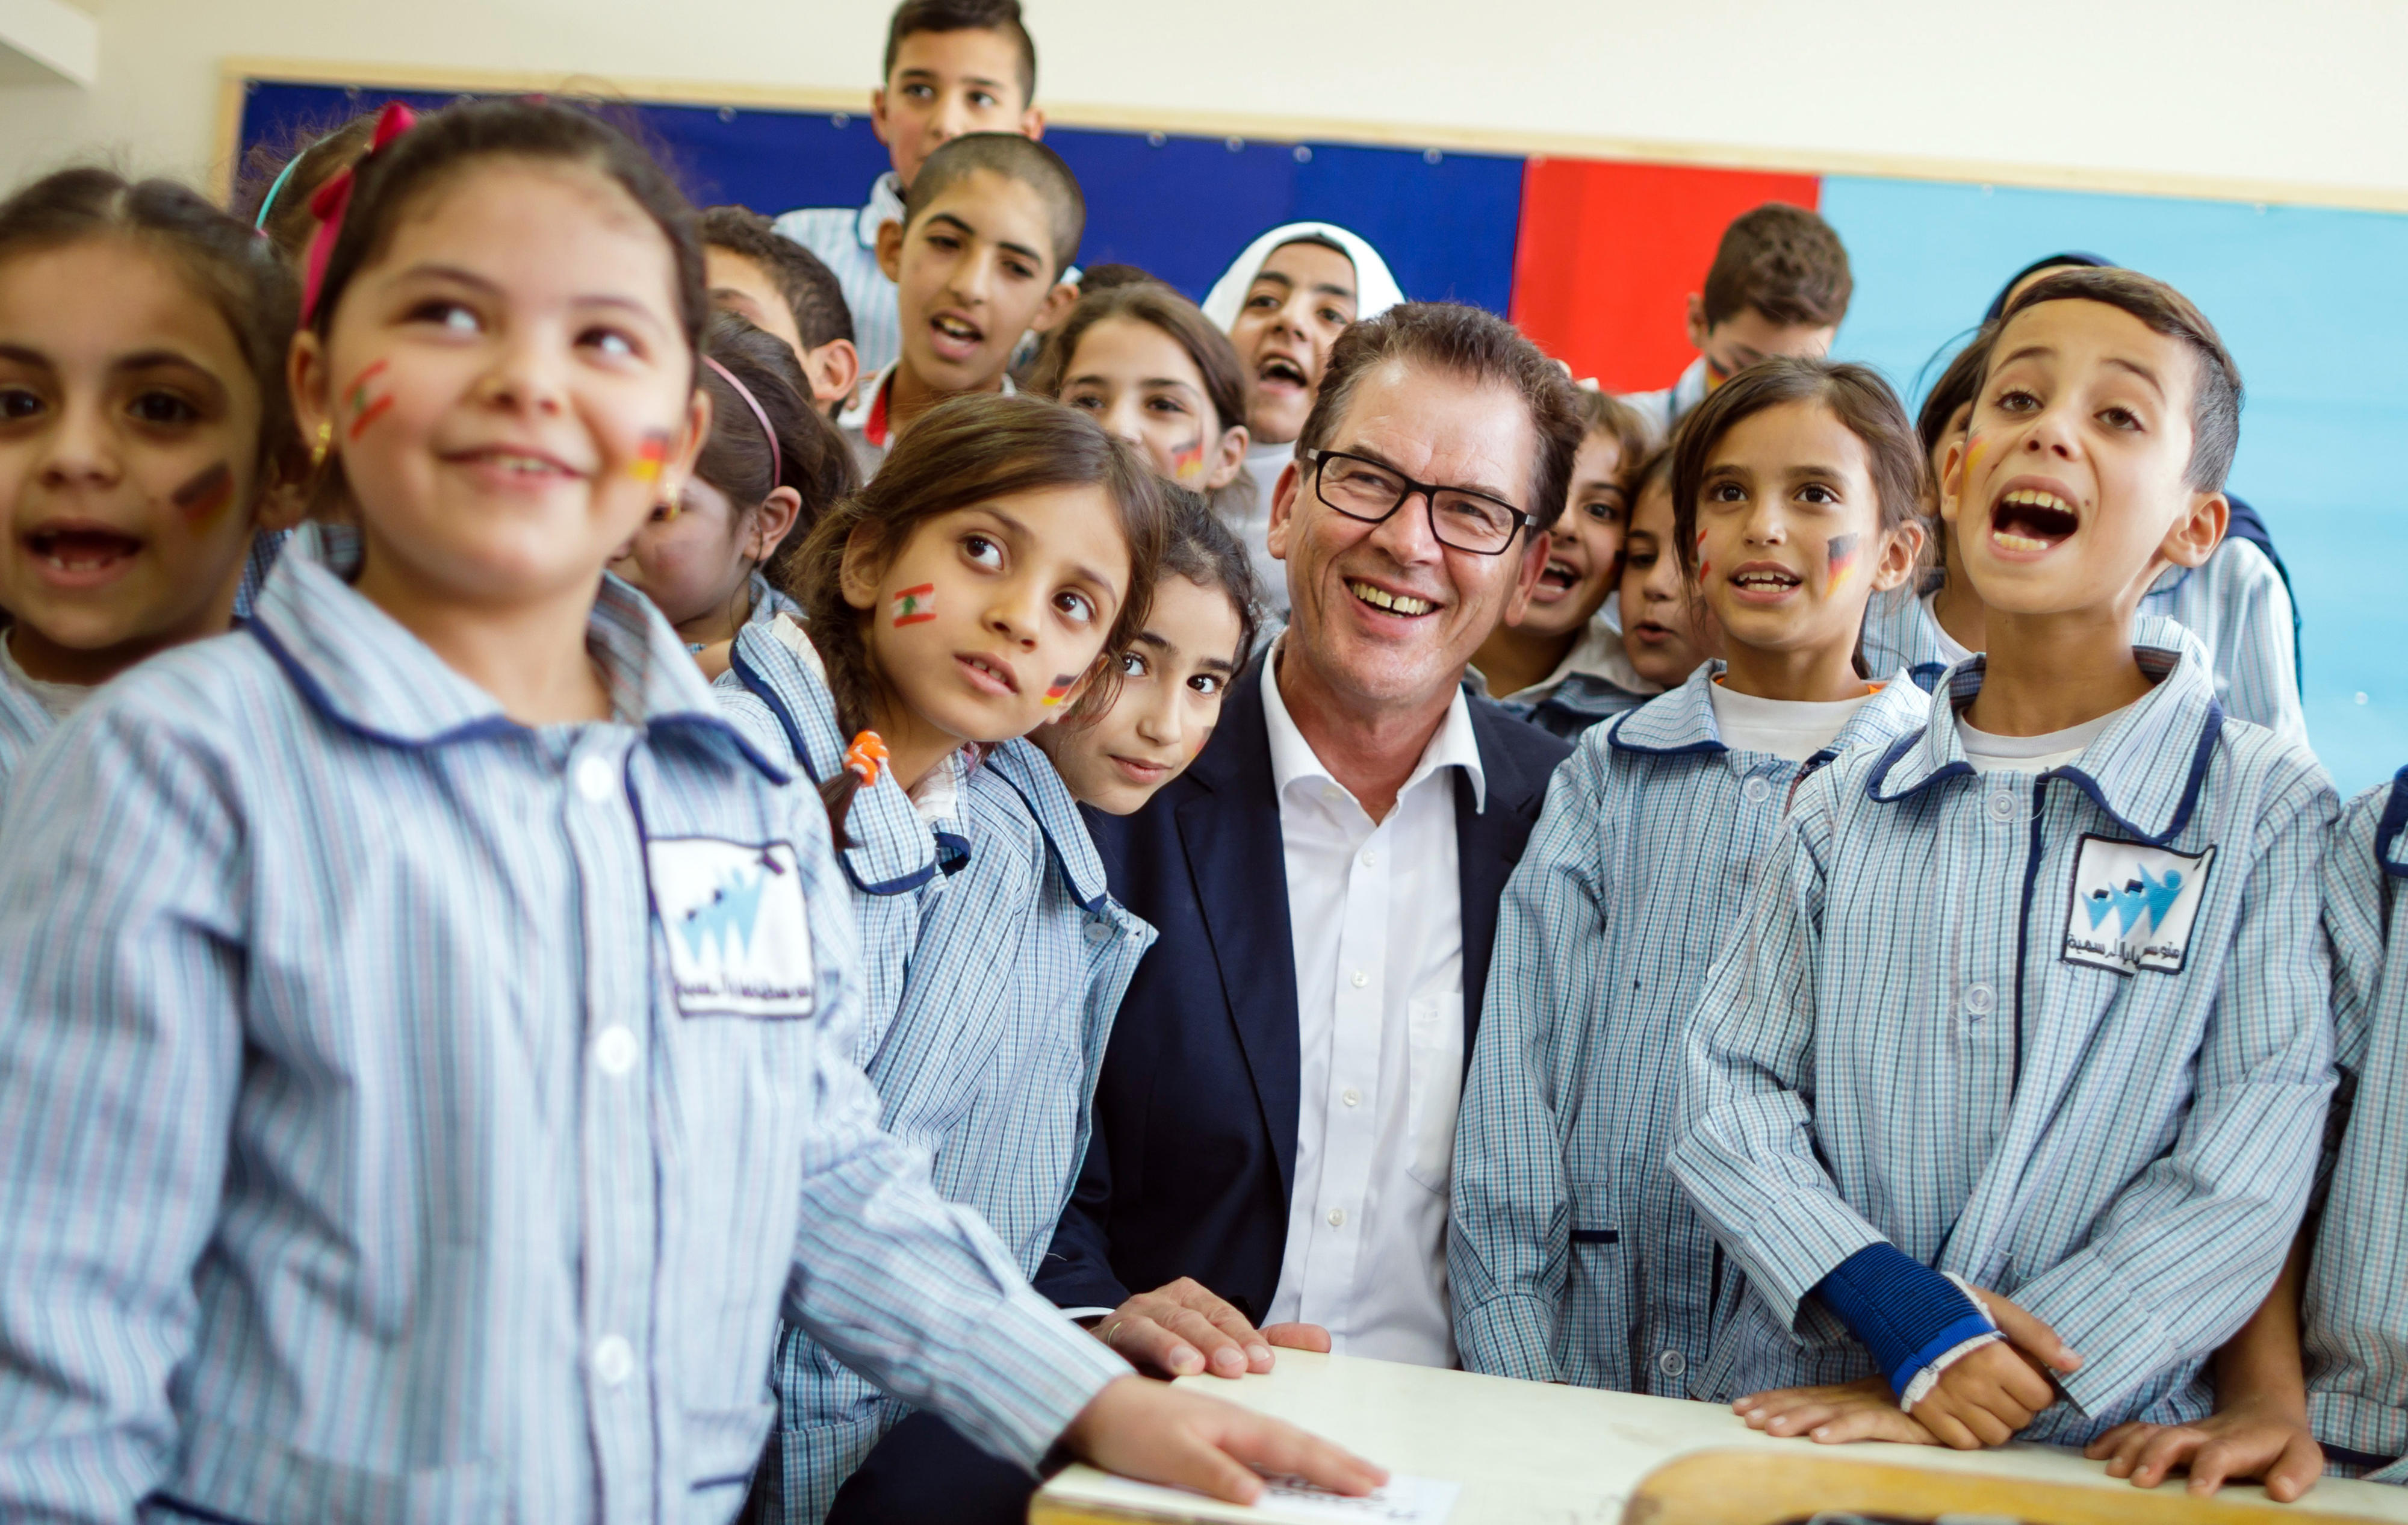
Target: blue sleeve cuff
[[1908, 1315]]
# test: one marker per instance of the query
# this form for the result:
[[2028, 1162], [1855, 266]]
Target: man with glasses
[[1274, 1128]]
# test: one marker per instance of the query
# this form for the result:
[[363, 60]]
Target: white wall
[[2271, 99]]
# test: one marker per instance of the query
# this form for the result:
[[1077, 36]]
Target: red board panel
[[1609, 253]]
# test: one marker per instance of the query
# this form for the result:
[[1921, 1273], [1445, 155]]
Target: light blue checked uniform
[[24, 720], [2355, 1308], [2235, 605], [266, 546], [1573, 1254], [846, 240], [997, 995], [1918, 1038], [401, 1126]]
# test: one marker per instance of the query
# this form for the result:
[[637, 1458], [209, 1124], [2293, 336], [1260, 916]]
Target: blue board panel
[[1179, 207], [2311, 302]]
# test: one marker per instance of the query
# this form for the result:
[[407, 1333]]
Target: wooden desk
[[1530, 1452]]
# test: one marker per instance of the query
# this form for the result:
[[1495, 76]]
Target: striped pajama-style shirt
[[2235, 604], [2064, 1034], [2357, 1303], [416, 1115], [1573, 1254], [24, 722]]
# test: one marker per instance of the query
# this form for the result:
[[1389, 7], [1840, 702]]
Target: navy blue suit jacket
[[1193, 1151]]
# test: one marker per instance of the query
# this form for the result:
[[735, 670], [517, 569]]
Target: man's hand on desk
[[1183, 1330], [2252, 1438], [1159, 1434]]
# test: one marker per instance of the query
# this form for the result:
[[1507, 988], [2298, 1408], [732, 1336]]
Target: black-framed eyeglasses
[[1371, 492]]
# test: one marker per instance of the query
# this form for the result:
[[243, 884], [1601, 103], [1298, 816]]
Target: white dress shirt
[[1376, 916]]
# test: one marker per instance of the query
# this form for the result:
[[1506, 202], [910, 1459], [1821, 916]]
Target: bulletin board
[[1594, 253]]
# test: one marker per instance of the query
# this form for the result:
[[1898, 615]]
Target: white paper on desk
[[1404, 1501]]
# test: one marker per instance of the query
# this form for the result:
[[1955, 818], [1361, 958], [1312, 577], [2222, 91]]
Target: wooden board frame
[[234, 72]]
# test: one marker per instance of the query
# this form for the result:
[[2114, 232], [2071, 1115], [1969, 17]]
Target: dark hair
[[1096, 278], [235, 272], [1783, 261], [1959, 384], [1602, 412], [963, 450], [808, 286], [444, 143], [1857, 396], [1200, 548], [314, 154], [916, 16], [2070, 258], [1475, 346], [811, 457], [2216, 389], [1152, 302], [1014, 158]]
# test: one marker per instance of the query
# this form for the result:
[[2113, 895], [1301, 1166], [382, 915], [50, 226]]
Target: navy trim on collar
[[2395, 818], [2202, 755]]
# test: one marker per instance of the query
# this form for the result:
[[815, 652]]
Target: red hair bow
[[334, 198]]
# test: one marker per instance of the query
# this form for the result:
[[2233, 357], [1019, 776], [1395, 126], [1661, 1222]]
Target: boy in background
[[1779, 286], [993, 221], [953, 67], [785, 289]]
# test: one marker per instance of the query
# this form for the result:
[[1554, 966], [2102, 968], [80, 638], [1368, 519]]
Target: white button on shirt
[[1376, 918]]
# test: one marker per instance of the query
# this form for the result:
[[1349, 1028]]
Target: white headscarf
[[1375, 288]]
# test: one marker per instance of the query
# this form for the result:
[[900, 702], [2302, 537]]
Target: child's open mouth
[[81, 557], [987, 675], [1559, 579], [1278, 370], [1402, 605], [956, 337], [1765, 582], [2029, 521]]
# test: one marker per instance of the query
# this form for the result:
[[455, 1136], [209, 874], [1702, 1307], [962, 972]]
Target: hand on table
[[2251, 1439], [1834, 1415], [1183, 1330], [1172, 1435]]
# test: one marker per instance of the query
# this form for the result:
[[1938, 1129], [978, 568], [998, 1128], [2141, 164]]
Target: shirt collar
[[358, 666], [2144, 770], [1690, 390], [884, 206], [2391, 831], [1019, 764], [866, 415], [1293, 759], [1682, 722]]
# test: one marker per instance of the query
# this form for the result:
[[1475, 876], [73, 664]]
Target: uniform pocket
[[1433, 1086]]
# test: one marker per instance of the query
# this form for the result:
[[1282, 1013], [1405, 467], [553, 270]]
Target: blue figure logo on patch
[[735, 928], [2132, 906], [728, 916]]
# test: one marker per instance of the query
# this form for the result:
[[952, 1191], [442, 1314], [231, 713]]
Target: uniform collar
[[1598, 654], [2144, 771], [866, 415], [1455, 745], [884, 206], [2390, 850], [1690, 390], [357, 665], [1682, 722], [1028, 771], [892, 850]]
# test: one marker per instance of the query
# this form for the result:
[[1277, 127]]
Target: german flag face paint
[[651, 457], [364, 401], [1841, 556], [916, 606], [206, 497], [1057, 693], [1187, 464]]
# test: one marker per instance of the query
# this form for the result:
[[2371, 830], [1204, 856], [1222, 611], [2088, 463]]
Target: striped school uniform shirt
[[2235, 604], [990, 1064], [25, 720], [2356, 1309], [846, 240], [1573, 1254], [416, 1115], [2064, 1034]]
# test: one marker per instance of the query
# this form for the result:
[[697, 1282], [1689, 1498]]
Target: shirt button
[[615, 1361], [1097, 932], [1361, 979], [1337, 1217], [593, 779], [2002, 807], [1352, 1097], [1980, 998], [1672, 1363], [1756, 790], [1371, 859], [615, 1051]]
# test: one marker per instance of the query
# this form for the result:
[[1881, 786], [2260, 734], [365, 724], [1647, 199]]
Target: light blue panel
[[2313, 304]]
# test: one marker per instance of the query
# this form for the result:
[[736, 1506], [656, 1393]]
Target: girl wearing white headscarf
[[1282, 303]]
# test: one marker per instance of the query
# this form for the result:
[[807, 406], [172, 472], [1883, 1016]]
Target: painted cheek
[[1975, 445], [366, 399], [1840, 559], [1059, 690], [1187, 463], [651, 459], [915, 606], [203, 498]]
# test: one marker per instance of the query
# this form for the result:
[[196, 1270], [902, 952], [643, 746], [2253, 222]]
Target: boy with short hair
[[785, 289], [1779, 286], [994, 220], [953, 67], [2034, 1004]]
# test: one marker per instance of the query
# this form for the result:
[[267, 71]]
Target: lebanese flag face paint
[[203, 498], [367, 402], [1059, 690], [916, 606]]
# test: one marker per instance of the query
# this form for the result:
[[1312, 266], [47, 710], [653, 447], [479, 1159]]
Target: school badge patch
[[739, 943], [2131, 906]]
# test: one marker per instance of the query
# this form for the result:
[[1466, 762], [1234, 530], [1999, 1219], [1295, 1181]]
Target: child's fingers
[[2296, 1471], [2168, 1448], [2031, 1335], [1274, 1445], [2117, 1447], [1945, 1427], [1797, 1419], [1861, 1424]]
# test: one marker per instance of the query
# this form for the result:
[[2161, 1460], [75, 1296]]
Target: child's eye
[[2017, 400], [611, 341], [17, 402], [162, 408], [450, 316], [1132, 665], [980, 99], [1263, 300], [1640, 559], [943, 241], [1025, 272], [1814, 492], [1726, 491], [1603, 511], [1166, 405], [1205, 684], [920, 93], [1091, 401], [1336, 319], [1076, 607], [2120, 418], [981, 550]]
